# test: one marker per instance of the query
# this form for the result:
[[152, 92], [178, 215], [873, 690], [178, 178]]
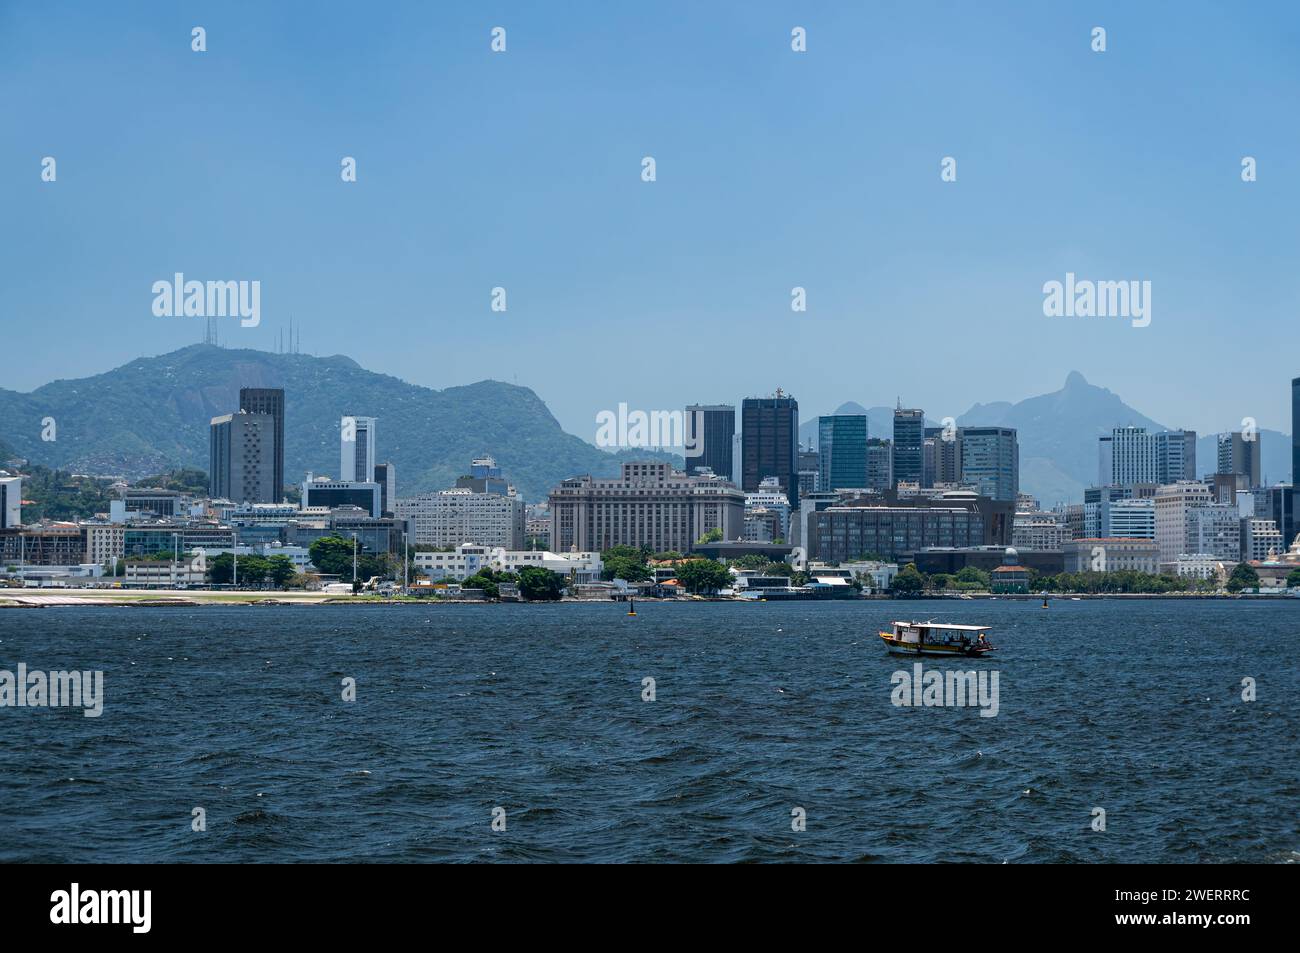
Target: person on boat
[[983, 641]]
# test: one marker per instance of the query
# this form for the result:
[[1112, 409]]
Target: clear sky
[[774, 169]]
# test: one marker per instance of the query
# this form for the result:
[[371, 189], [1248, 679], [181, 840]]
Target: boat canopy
[[944, 625]]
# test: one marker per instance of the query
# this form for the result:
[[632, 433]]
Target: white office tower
[[357, 449], [11, 499]]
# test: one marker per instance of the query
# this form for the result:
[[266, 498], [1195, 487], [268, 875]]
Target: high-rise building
[[357, 449], [990, 461], [269, 400], [1295, 431], [769, 433], [11, 501], [485, 477], [1175, 455], [710, 429], [909, 445], [461, 515], [1239, 455], [386, 477], [809, 471], [1131, 455], [241, 458], [842, 451], [880, 463], [331, 494], [649, 504], [1175, 524]]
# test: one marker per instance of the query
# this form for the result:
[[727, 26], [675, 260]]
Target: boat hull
[[899, 647]]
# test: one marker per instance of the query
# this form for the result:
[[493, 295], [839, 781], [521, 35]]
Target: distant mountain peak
[[1075, 379]]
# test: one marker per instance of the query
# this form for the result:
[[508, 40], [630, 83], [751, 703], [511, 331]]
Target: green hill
[[152, 415]]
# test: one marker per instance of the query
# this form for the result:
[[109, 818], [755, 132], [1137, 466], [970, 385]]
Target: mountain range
[[1058, 433], [152, 414]]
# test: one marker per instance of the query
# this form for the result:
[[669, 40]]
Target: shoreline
[[45, 599]]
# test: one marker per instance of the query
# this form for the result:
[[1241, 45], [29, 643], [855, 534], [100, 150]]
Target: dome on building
[[1011, 557]]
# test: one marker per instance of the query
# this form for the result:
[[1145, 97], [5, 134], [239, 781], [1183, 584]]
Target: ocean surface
[[1134, 707]]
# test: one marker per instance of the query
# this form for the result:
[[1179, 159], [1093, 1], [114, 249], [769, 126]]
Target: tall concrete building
[[842, 452], [357, 449], [769, 434], [1241, 456], [241, 458], [461, 515], [990, 461], [269, 400], [386, 477], [1295, 431], [711, 429], [909, 445], [1176, 530], [1132, 455], [649, 504], [880, 463], [11, 500]]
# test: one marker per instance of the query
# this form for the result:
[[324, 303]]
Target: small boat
[[937, 638]]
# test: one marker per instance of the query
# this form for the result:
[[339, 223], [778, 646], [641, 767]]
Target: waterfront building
[[322, 492], [990, 461], [462, 515], [43, 544], [1195, 566], [843, 533], [842, 451], [648, 504], [1130, 518], [357, 449], [269, 400], [909, 445], [1239, 454], [1111, 554], [769, 436], [711, 429], [468, 559], [241, 458]]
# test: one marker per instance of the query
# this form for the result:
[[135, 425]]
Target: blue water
[[1134, 707]]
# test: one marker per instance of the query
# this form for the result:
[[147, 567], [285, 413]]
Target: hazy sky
[[775, 169]]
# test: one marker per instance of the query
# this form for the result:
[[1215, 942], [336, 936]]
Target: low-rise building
[[1111, 554]]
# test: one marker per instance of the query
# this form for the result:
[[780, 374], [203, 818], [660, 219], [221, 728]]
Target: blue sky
[[775, 169]]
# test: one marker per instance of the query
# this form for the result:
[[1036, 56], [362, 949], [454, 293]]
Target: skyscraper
[[1295, 431], [386, 477], [241, 458], [990, 461], [1136, 456], [880, 463], [357, 449], [909, 445], [842, 451], [11, 500], [269, 400], [710, 429], [769, 434], [1239, 455]]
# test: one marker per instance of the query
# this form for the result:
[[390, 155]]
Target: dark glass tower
[[769, 441], [909, 445], [269, 400], [842, 448], [711, 428]]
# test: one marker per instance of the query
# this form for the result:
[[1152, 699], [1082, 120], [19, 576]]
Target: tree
[[281, 570], [540, 585], [703, 575], [973, 574], [332, 555], [482, 580], [625, 562], [1243, 576], [712, 536], [909, 580]]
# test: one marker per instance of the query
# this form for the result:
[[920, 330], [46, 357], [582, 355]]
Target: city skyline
[[838, 193]]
